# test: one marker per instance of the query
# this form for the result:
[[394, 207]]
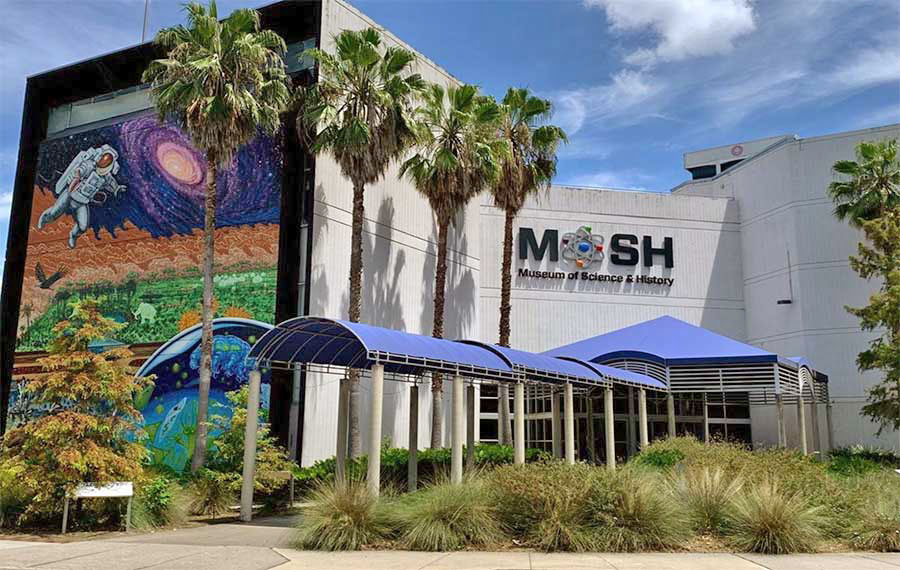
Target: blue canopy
[[626, 377], [543, 368], [333, 342], [666, 340]]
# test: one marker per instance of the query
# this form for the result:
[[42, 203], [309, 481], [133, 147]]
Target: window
[[705, 171], [726, 165]]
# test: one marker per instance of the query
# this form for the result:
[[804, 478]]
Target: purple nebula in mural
[[165, 178]]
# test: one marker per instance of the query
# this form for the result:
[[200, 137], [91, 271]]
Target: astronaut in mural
[[87, 181]]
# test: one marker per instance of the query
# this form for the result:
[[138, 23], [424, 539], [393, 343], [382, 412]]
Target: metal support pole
[[631, 442], [705, 419], [591, 436], [250, 431], [456, 435], [343, 417], [569, 412], [470, 426], [817, 435], [294, 417], [829, 425], [128, 515], [779, 411], [374, 474], [610, 431], [519, 422], [412, 467], [554, 424], [65, 522], [801, 423], [670, 413], [642, 417]]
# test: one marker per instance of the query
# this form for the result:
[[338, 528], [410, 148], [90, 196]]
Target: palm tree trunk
[[437, 383], [505, 308], [206, 342], [353, 312]]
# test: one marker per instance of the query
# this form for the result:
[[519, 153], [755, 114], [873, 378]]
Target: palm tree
[[528, 169], [458, 157], [358, 112], [874, 184], [224, 82]]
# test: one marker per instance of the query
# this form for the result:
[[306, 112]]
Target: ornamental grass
[[445, 516], [767, 519], [706, 493], [342, 517]]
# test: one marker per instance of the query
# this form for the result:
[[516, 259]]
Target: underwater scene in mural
[[117, 216], [170, 406]]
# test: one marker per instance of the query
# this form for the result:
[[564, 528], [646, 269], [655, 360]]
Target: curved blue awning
[[334, 342], [626, 377], [543, 368]]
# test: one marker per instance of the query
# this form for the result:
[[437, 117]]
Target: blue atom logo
[[582, 247]]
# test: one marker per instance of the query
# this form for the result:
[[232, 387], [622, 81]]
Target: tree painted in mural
[[117, 216]]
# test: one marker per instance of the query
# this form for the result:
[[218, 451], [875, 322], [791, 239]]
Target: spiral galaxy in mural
[[179, 164]]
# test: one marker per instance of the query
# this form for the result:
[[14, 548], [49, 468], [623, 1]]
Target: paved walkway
[[263, 544]]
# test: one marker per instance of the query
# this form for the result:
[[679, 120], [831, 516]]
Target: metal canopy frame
[[329, 344]]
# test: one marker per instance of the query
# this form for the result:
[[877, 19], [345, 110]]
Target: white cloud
[[617, 179], [871, 66], [620, 97], [5, 205], [683, 28]]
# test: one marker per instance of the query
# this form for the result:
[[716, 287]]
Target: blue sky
[[635, 83]]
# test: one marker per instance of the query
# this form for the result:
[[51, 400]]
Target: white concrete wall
[[398, 276], [708, 290], [784, 208]]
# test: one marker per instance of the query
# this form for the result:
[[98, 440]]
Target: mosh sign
[[585, 248]]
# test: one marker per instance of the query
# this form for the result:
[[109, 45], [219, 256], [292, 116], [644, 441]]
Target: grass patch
[[210, 493], [769, 520], [343, 517], [706, 493], [636, 512], [446, 517]]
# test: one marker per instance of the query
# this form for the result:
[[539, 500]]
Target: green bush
[[342, 517], [545, 504], [882, 457], [706, 493], [769, 520], [636, 513], [852, 465], [879, 525], [433, 464], [211, 493], [159, 502], [445, 517], [14, 496], [659, 458]]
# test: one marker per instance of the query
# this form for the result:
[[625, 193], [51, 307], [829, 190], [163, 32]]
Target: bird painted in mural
[[45, 282]]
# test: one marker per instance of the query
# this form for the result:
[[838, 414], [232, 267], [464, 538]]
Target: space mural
[[117, 216]]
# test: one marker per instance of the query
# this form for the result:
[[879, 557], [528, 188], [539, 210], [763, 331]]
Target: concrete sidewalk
[[520, 560]]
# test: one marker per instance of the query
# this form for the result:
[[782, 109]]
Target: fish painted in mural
[[229, 361], [89, 180], [170, 423]]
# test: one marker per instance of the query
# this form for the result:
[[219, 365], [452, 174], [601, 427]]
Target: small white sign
[[108, 490]]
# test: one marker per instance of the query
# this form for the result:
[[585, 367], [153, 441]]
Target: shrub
[[769, 520], [635, 512], [211, 493], [342, 517], [84, 416], [882, 457], [14, 496], [448, 517], [227, 454], [879, 525], [158, 503], [706, 494], [852, 465], [545, 504], [660, 458]]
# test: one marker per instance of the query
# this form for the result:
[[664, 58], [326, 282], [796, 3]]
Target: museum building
[[728, 291]]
